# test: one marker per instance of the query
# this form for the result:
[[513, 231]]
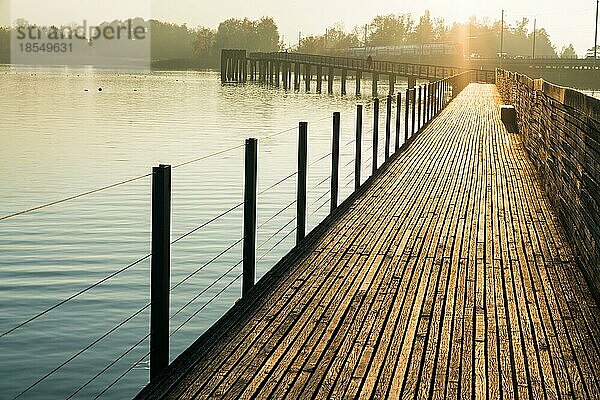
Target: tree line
[[201, 46]]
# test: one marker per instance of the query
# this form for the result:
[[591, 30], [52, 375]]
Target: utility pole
[[502, 39], [534, 26], [299, 38], [596, 36], [366, 27]]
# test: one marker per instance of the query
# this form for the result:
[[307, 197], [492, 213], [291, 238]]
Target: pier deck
[[449, 276]]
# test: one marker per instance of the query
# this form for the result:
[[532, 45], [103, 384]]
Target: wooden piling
[[330, 80], [358, 82], [374, 88], [307, 77], [344, 78], [319, 79]]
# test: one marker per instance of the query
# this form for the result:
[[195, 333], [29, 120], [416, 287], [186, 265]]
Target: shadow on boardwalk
[[448, 277]]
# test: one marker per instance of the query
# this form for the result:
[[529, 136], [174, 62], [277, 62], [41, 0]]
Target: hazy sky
[[567, 21]]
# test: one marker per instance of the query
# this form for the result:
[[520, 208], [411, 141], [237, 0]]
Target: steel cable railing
[[86, 348], [55, 306], [109, 366]]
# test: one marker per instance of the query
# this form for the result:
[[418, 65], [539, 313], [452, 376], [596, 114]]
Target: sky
[[566, 22]]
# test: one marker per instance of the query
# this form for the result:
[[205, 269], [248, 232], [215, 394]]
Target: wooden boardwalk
[[449, 277]]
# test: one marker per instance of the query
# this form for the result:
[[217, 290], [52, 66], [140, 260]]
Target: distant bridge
[[289, 68]]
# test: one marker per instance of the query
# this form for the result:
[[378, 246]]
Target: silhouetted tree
[[568, 52]]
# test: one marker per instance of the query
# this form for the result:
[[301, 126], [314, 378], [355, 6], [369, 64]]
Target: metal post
[[414, 110], [406, 114], [419, 109], [358, 146], [596, 37], [375, 132], [534, 32], [301, 187], [398, 119], [388, 127], [335, 162], [502, 41], [250, 181], [160, 269]]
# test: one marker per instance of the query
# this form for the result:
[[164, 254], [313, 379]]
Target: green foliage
[[261, 35], [568, 52]]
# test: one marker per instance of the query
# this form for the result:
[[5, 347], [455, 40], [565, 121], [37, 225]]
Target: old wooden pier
[[467, 266], [290, 69]]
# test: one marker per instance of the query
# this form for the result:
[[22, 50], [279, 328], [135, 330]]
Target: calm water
[[58, 140]]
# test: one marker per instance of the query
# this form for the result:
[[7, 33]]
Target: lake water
[[60, 136]]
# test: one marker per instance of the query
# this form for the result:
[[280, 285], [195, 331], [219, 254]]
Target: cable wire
[[82, 350], [276, 215], [275, 245], [76, 295], [206, 304], [210, 221], [122, 376], [110, 365], [276, 184], [202, 292], [206, 264], [275, 234], [73, 197], [320, 159]]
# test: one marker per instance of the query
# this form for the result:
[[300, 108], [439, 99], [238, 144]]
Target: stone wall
[[561, 133]]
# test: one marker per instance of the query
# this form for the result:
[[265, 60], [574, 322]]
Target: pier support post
[[277, 73], [358, 80], [330, 81], [358, 146], [375, 80], [412, 82], [335, 162], [319, 78], [301, 186], [375, 133], [271, 72], [160, 269], [307, 77], [344, 79], [392, 79], [250, 181], [388, 126], [297, 73], [406, 114], [398, 120]]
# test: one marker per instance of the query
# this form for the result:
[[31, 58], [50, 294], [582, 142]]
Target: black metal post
[[406, 115], [250, 183], [398, 119], [301, 187], [388, 127], [160, 269], [375, 132], [358, 146], [414, 110], [419, 109], [335, 162]]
